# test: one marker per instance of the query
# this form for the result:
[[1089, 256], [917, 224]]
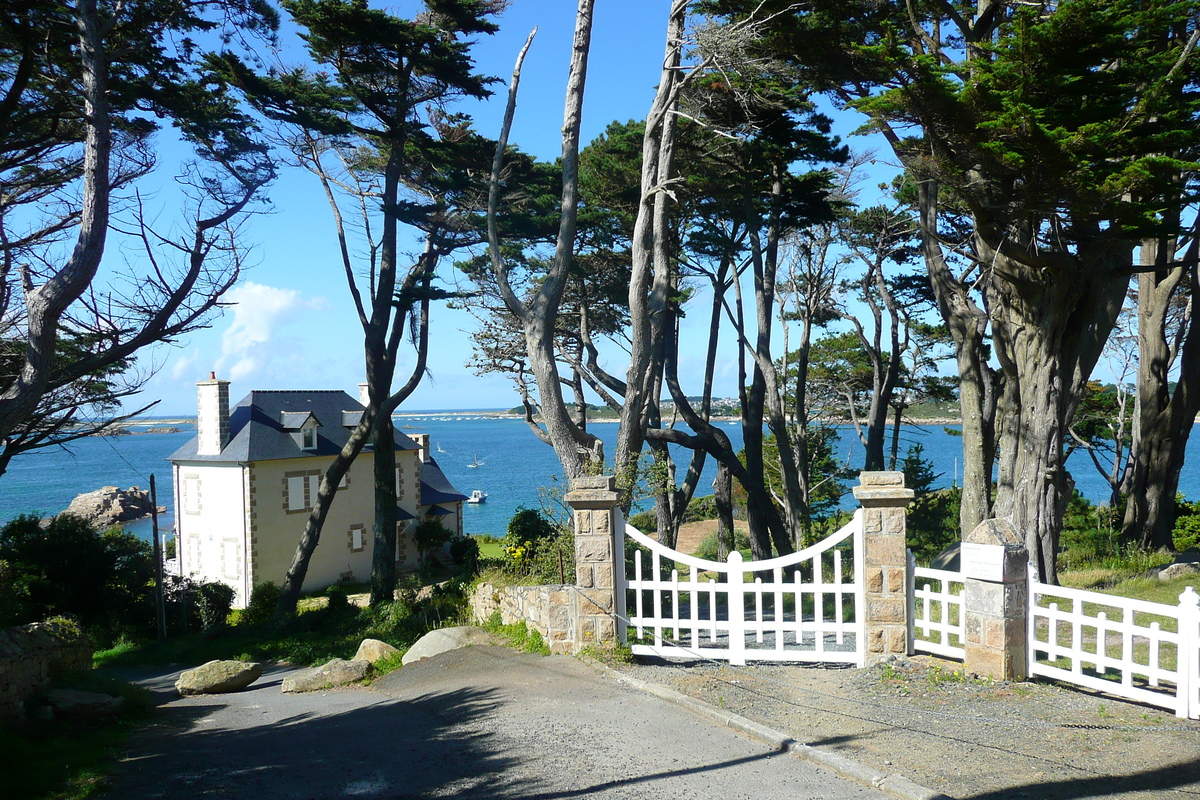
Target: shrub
[[104, 580], [708, 545], [465, 552], [428, 536], [644, 521], [263, 600], [700, 509], [337, 598], [196, 605]]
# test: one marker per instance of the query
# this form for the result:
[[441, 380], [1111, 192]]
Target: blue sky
[[292, 324]]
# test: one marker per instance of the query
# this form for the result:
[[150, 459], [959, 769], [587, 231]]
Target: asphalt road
[[476, 722]]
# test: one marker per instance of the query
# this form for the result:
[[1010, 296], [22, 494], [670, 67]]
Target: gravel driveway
[[476, 722], [969, 739]]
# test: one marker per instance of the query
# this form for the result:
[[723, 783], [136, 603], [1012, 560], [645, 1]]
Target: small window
[[358, 538], [345, 481], [296, 501], [309, 438]]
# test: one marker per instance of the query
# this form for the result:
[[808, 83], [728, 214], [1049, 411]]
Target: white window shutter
[[295, 493], [314, 485]]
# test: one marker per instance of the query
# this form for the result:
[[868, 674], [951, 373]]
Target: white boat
[[477, 496], [475, 462], [439, 448]]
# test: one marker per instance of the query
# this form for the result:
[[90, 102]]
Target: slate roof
[[257, 428], [435, 487]]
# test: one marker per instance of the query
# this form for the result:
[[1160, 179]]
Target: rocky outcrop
[[164, 429], [371, 650], [337, 672], [218, 677], [111, 505]]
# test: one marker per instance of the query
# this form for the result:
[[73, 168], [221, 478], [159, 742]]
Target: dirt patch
[[693, 533], [926, 720]]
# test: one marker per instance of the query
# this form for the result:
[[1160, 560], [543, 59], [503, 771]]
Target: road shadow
[[1166, 780], [340, 743]]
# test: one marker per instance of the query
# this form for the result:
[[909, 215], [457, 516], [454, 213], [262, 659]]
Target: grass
[[518, 636], [68, 759]]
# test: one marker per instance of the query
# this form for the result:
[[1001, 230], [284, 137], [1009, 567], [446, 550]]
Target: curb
[[894, 785]]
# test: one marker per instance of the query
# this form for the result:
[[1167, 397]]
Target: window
[[308, 437], [358, 538], [296, 501], [191, 494]]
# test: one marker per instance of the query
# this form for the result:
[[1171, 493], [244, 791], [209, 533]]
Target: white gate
[[807, 606]]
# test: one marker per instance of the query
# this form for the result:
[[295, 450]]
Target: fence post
[[885, 618], [996, 595], [737, 610], [599, 541], [910, 594], [1188, 688]]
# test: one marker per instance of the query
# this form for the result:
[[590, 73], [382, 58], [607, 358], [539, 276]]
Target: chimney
[[212, 416], [422, 440], [364, 397]]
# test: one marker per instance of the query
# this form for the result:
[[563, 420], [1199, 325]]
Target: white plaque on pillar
[[983, 562]]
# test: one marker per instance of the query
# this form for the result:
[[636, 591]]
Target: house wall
[[276, 530], [408, 493], [211, 523]]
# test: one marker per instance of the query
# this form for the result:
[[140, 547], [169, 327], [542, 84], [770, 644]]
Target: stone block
[[993, 633], [885, 610], [996, 531], [603, 483], [973, 628], [583, 576], [583, 523], [873, 520], [603, 574], [595, 604], [601, 522], [897, 639], [606, 630], [885, 549], [592, 548], [875, 580], [896, 579], [875, 640], [894, 521], [881, 478]]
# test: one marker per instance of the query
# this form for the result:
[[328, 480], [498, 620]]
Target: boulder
[[371, 650], [440, 641], [73, 703], [218, 677], [110, 505], [1172, 571], [337, 672], [948, 559]]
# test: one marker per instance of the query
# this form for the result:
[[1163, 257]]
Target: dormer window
[[302, 427], [308, 438]]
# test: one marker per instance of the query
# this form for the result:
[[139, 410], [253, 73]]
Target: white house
[[245, 485]]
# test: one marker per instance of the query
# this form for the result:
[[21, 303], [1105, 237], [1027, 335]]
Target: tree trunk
[[1163, 418]]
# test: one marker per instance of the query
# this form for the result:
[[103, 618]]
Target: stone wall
[[545, 609], [28, 656]]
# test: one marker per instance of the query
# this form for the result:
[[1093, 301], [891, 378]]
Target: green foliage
[[644, 521], [1186, 534], [933, 514], [429, 535], [708, 545], [465, 552], [532, 547], [1090, 534], [263, 600], [700, 509], [337, 599], [104, 580], [518, 635], [196, 605]]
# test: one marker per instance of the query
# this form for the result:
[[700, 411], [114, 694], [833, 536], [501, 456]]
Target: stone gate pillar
[[884, 500], [598, 544], [994, 565]]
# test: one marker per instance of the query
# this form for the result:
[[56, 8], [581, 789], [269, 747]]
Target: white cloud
[[253, 347]]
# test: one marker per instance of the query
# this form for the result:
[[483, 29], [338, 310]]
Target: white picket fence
[[1142, 651], [935, 616], [801, 607]]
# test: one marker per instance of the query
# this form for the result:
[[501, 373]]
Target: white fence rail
[[803, 607], [935, 611], [1142, 651]]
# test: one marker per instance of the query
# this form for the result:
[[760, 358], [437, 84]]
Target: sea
[[475, 449]]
